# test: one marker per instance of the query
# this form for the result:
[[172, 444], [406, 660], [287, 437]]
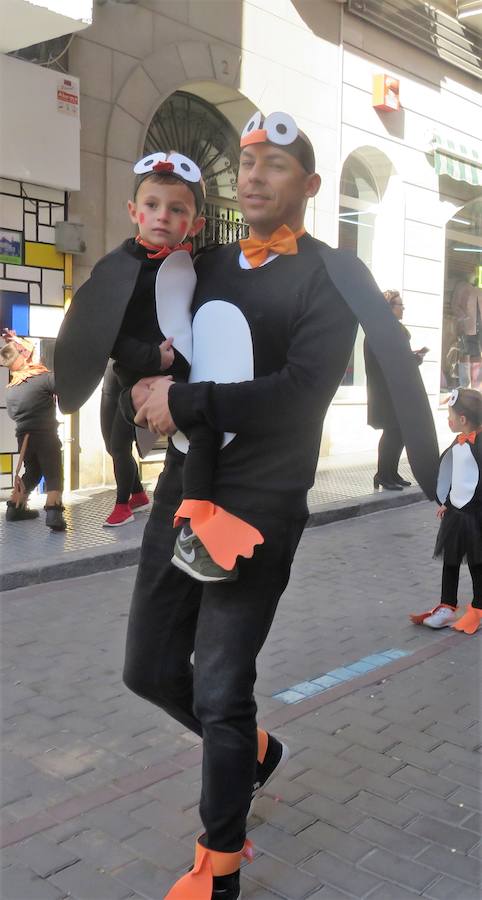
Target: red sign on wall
[[386, 93]]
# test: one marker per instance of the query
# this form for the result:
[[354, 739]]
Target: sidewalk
[[381, 798], [32, 554]]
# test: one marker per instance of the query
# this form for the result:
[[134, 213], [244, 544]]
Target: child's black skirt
[[460, 536]]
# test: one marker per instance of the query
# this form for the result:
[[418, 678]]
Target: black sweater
[[136, 350], [303, 334], [31, 404]]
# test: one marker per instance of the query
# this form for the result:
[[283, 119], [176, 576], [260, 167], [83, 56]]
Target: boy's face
[[165, 213], [456, 421]]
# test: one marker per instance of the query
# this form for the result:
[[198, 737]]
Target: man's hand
[[140, 392], [441, 512], [154, 411]]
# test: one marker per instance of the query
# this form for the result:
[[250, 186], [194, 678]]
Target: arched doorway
[[196, 128]]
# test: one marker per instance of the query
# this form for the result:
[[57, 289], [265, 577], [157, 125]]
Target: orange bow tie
[[283, 240], [161, 252], [462, 438]]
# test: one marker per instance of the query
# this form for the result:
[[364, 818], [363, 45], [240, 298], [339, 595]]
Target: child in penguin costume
[[459, 494], [287, 307], [137, 296]]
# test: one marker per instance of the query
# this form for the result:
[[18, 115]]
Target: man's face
[[165, 213], [273, 187]]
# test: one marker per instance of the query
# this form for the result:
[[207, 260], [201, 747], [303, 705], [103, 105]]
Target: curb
[[129, 552]]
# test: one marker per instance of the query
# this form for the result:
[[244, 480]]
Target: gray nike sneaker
[[191, 556]]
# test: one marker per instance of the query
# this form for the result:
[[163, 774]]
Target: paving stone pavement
[[32, 553], [381, 796]]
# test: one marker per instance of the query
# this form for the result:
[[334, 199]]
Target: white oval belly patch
[[465, 475], [222, 351]]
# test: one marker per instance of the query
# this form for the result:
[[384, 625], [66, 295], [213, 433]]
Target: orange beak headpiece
[[177, 165], [280, 130]]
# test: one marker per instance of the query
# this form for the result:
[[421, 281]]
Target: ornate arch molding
[[170, 68]]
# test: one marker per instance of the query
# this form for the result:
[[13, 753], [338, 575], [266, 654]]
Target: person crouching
[[30, 398]]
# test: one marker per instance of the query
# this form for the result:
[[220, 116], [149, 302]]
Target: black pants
[[43, 459], [226, 625], [450, 584], [118, 437], [389, 451]]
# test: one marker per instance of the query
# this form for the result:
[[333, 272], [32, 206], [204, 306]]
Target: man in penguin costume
[[274, 323]]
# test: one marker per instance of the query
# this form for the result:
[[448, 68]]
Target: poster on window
[[11, 247], [67, 97]]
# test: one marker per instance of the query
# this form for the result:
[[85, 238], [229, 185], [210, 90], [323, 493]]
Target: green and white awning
[[459, 161]]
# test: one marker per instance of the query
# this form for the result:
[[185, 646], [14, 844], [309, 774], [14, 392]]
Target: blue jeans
[[226, 625]]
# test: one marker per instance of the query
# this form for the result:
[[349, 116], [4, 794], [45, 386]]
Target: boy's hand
[[441, 512], [167, 354]]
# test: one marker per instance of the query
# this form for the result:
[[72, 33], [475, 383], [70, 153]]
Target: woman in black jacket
[[380, 411]]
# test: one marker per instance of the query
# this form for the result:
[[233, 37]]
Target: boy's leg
[[212, 539], [476, 573], [471, 620], [442, 615], [197, 481], [450, 585]]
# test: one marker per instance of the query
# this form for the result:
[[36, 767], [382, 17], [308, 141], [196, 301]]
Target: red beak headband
[[280, 130], [177, 165]]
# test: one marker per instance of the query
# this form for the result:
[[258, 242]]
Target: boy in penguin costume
[[137, 296], [293, 304], [459, 495]]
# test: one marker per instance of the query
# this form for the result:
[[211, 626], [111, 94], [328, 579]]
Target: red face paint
[[141, 218], [184, 226]]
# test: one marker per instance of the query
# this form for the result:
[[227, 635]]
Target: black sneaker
[[277, 755], [54, 518], [191, 556], [226, 887], [19, 513]]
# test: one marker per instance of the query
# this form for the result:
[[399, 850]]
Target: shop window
[[462, 316], [359, 201]]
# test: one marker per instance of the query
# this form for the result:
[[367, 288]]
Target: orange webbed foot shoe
[[470, 621], [210, 868]]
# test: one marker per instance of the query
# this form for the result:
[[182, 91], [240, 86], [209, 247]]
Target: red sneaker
[[120, 515], [139, 501]]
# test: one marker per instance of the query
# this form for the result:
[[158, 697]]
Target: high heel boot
[[388, 485]]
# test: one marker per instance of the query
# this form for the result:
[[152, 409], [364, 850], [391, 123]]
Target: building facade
[[398, 184]]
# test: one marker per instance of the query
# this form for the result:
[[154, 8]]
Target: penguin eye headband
[[280, 130], [453, 397], [177, 165]]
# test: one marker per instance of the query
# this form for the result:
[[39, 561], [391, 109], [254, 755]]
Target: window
[[462, 315]]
